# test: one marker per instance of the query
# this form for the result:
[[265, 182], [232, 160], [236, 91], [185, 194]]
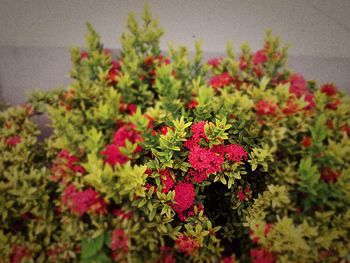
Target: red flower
[[330, 176], [187, 245], [119, 243], [329, 89], [265, 107], [220, 81], [345, 128], [235, 153], [114, 72], [197, 133], [306, 142], [229, 259], [291, 107], [192, 104], [166, 255], [19, 253], [113, 155], [299, 87], [122, 214], [204, 160], [167, 180], [214, 62], [127, 132], [184, 197], [13, 140], [80, 202], [334, 104], [243, 64], [241, 196], [64, 165], [84, 55], [259, 57], [197, 176], [262, 255]]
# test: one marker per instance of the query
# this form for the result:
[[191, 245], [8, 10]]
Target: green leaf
[[90, 247]]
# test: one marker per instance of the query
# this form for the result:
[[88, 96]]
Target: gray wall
[[35, 35]]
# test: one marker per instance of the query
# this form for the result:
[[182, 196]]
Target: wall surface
[[35, 35]]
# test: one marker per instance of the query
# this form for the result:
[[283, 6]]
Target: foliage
[[166, 158]]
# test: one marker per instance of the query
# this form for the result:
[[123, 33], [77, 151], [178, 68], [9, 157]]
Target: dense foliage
[[160, 157]]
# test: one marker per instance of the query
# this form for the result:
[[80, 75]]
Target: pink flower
[[236, 153], [214, 62], [187, 245], [262, 255], [122, 214], [330, 176], [198, 176], [113, 155], [298, 85], [241, 196], [114, 72], [306, 142], [13, 140], [167, 180], [300, 88], [334, 104], [204, 160], [265, 107], [19, 253], [220, 81], [329, 89], [259, 57], [243, 64], [291, 107], [229, 259], [119, 243], [197, 133], [81, 202], [184, 197], [64, 165], [192, 104], [166, 255], [84, 55], [127, 132]]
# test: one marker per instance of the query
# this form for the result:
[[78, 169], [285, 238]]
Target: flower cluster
[[64, 165], [81, 202], [186, 244], [119, 243], [112, 152]]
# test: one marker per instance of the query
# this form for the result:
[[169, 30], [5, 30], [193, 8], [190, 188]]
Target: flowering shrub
[[165, 158]]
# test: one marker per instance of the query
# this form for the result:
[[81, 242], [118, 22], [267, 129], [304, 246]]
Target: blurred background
[[35, 35]]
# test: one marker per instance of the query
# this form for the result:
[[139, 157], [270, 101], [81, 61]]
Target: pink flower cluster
[[114, 72], [331, 91], [206, 161], [167, 180], [112, 151], [13, 140], [265, 107], [81, 202], [262, 255], [119, 244], [219, 81], [299, 87], [184, 199], [260, 57], [65, 164], [186, 244], [19, 253]]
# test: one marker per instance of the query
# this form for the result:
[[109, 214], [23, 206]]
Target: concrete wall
[[35, 34]]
